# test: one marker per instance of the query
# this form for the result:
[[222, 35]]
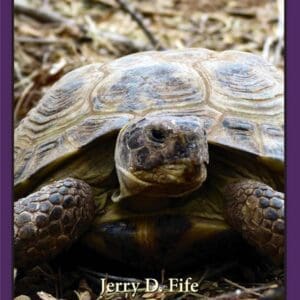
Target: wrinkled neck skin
[[160, 157], [143, 198]]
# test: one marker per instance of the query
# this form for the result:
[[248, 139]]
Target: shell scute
[[241, 83], [42, 130], [239, 80], [237, 133], [46, 153], [143, 87], [22, 158], [60, 106], [90, 129], [272, 141]]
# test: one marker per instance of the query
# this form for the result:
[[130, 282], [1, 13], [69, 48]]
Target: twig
[[38, 40], [116, 39], [18, 71], [25, 80], [203, 276], [235, 295], [242, 12], [217, 271], [45, 296], [124, 41], [145, 9], [41, 14], [108, 3], [111, 277], [250, 291], [136, 16]]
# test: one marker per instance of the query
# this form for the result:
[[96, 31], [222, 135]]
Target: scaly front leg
[[257, 212], [49, 220]]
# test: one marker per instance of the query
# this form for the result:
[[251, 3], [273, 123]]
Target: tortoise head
[[161, 156]]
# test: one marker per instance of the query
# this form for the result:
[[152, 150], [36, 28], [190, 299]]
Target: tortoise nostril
[[142, 156], [158, 135], [180, 149]]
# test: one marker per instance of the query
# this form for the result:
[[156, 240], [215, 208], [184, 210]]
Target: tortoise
[[153, 157]]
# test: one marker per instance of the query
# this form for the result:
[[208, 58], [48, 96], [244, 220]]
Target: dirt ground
[[53, 37]]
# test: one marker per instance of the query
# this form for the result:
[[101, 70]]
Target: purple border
[[292, 147], [293, 162], [6, 51]]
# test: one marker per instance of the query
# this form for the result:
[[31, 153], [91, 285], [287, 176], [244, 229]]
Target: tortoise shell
[[237, 95]]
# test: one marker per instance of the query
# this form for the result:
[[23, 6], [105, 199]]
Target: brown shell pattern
[[239, 97]]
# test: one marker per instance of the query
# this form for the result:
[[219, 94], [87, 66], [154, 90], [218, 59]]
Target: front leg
[[49, 220], [257, 212]]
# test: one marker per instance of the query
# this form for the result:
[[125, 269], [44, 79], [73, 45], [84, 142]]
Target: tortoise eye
[[157, 135]]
